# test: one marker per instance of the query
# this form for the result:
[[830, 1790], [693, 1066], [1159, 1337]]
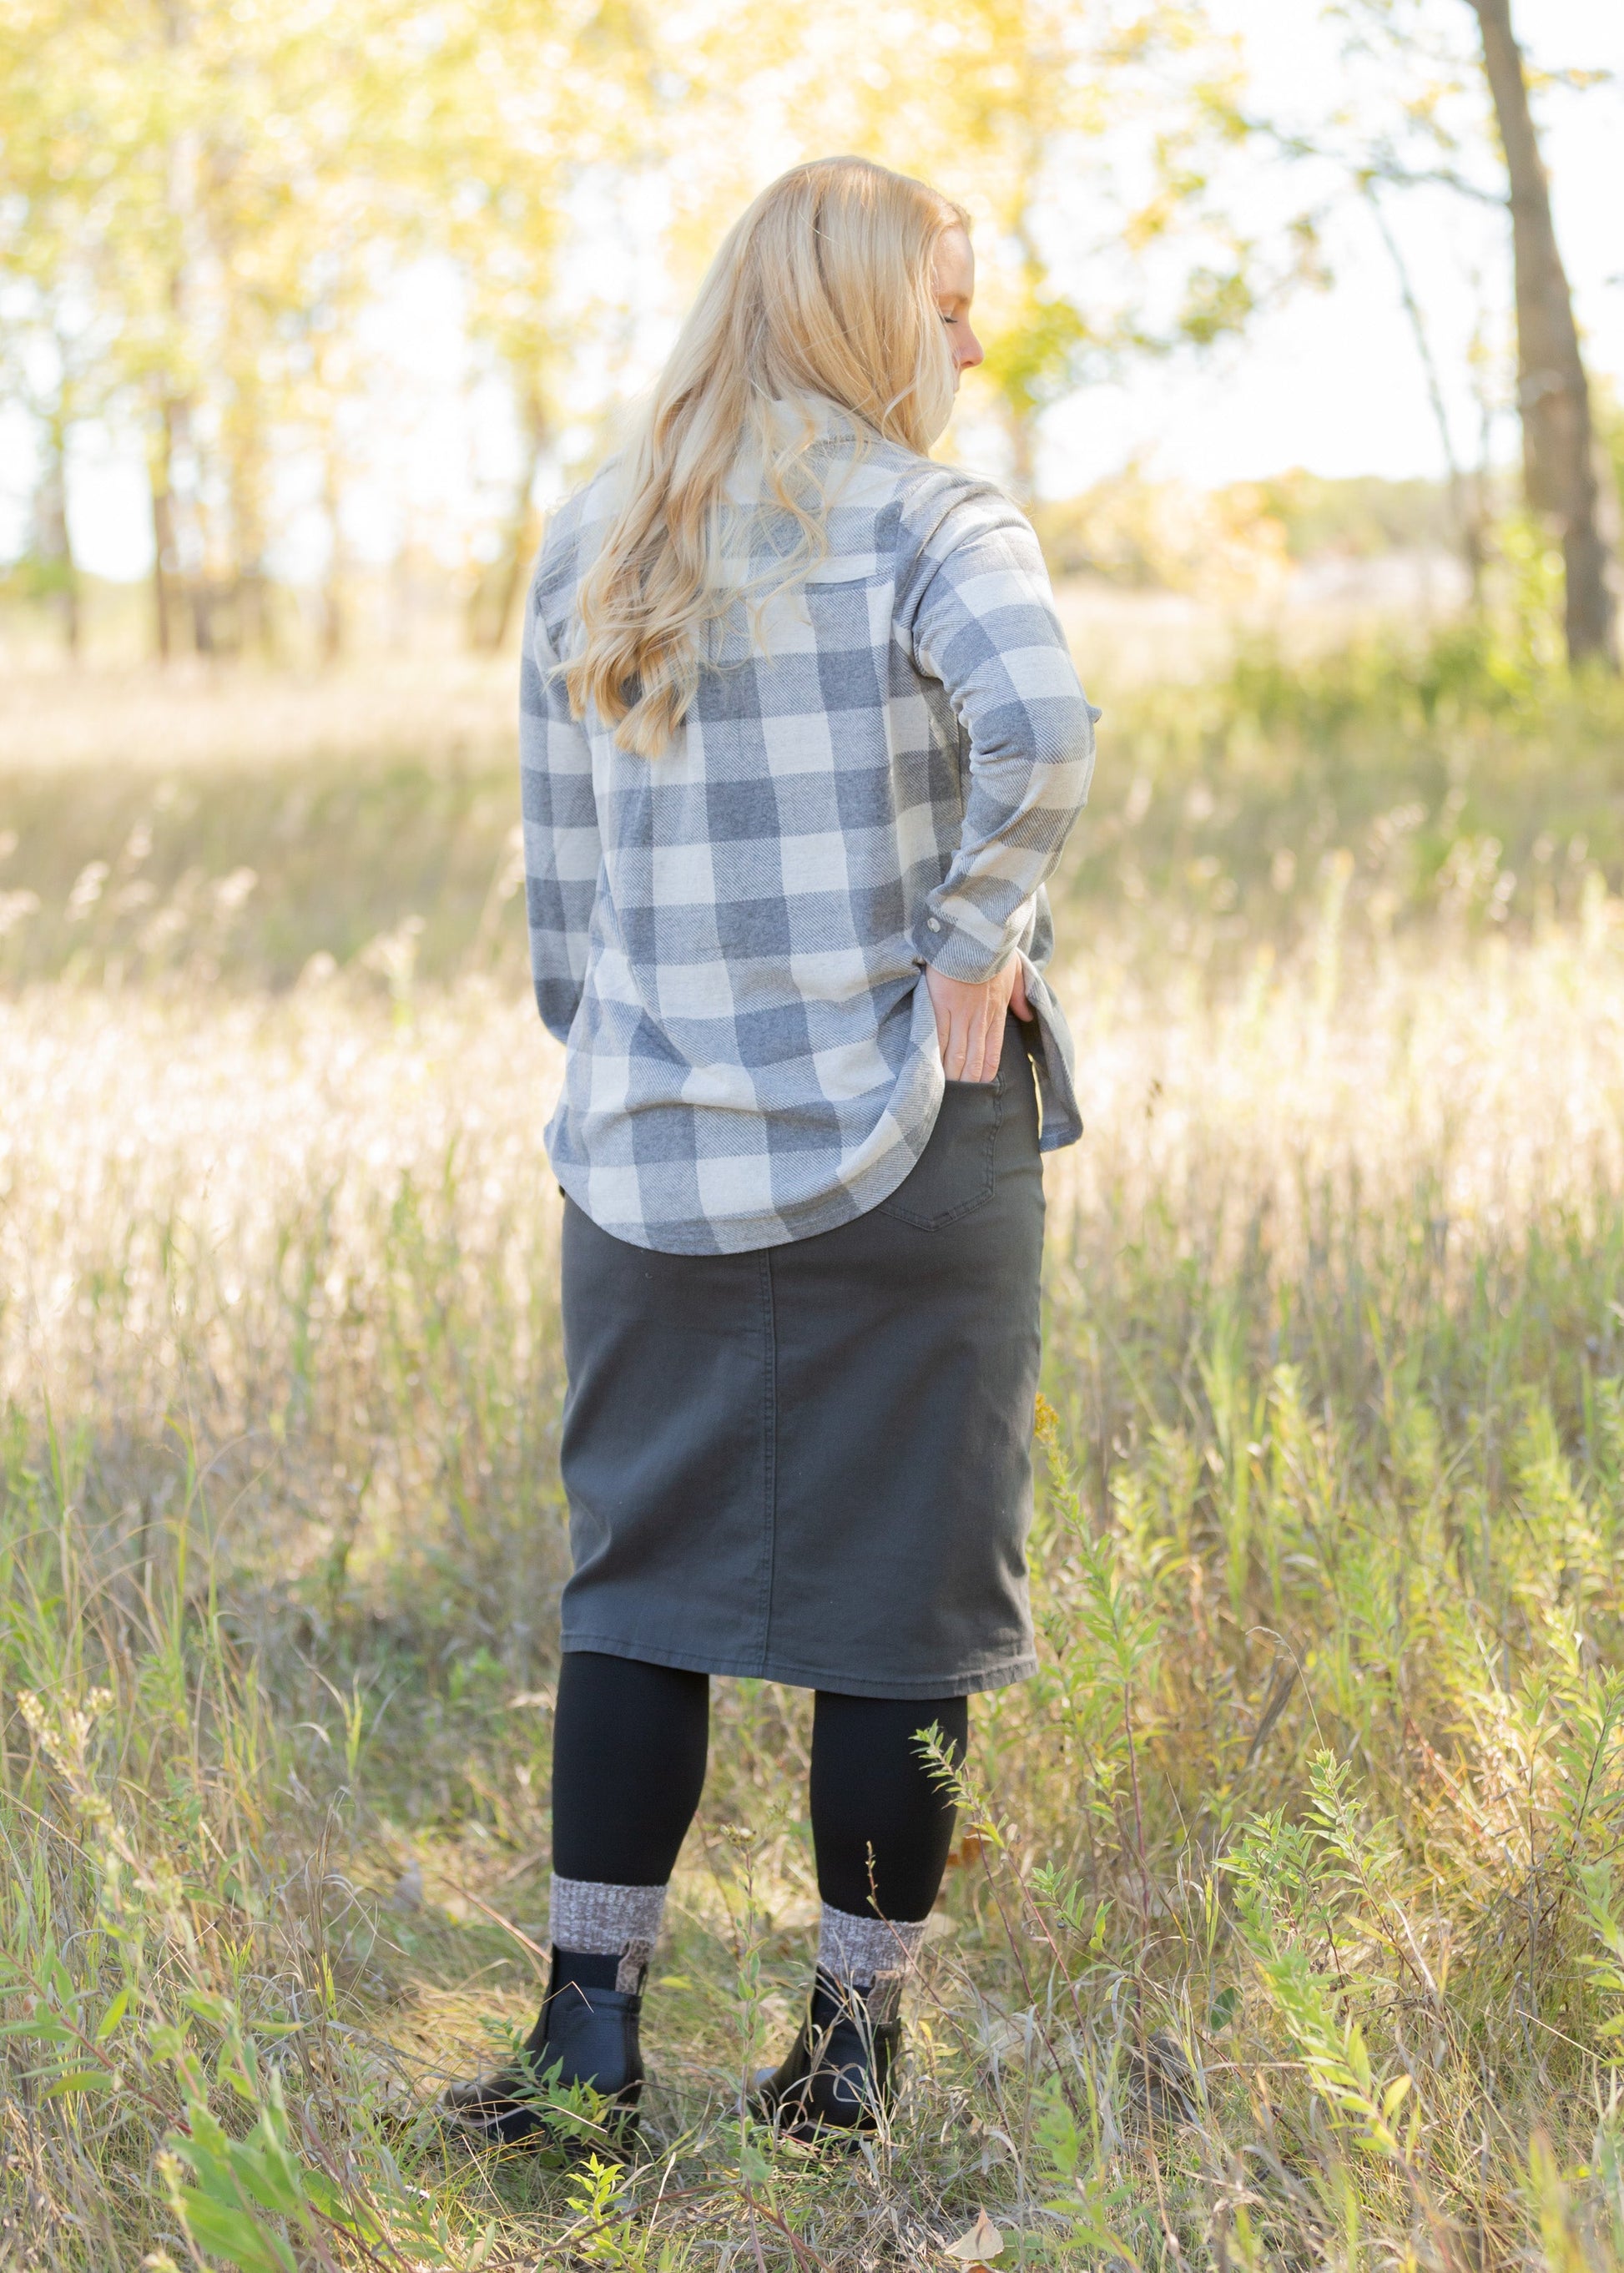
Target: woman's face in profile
[[954, 281]]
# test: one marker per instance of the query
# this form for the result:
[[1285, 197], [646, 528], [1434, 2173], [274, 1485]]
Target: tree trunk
[[164, 533], [1558, 456], [334, 627], [187, 594], [249, 628], [496, 595], [53, 537]]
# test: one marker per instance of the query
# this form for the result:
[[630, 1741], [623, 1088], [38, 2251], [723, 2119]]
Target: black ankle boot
[[586, 2033], [839, 2077]]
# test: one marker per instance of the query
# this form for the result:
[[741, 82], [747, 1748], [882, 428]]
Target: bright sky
[[1331, 381]]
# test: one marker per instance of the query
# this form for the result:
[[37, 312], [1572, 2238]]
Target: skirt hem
[[971, 1682]]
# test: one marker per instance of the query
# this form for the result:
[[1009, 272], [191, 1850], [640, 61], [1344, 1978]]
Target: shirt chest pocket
[[953, 1175], [846, 601], [840, 611]]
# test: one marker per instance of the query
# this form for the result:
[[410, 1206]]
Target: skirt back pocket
[[953, 1175]]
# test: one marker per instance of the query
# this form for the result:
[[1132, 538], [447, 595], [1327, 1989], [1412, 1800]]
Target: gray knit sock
[[604, 1921], [873, 1954]]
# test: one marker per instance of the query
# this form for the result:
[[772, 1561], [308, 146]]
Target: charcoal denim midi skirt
[[812, 1463]]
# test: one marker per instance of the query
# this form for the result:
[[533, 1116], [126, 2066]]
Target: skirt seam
[[769, 1450]]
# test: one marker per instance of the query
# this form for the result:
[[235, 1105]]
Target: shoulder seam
[[954, 488]]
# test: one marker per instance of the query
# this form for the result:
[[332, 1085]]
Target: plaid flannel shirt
[[879, 771]]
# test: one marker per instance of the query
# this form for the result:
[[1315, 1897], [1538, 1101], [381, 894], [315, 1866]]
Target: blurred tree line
[[203, 199]]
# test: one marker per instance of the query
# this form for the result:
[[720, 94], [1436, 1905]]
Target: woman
[[801, 740]]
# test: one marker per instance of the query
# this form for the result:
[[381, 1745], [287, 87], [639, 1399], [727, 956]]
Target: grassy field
[[1282, 1929]]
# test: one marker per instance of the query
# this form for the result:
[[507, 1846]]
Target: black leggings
[[628, 1764]]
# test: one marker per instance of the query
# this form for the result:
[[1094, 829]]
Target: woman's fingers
[[999, 990], [975, 1046], [974, 1031], [975, 1059], [970, 1020], [992, 1037], [945, 1022]]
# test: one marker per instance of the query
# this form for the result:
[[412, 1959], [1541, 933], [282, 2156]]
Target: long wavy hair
[[821, 294]]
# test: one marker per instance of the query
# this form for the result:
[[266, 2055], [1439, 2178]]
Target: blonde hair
[[821, 288]]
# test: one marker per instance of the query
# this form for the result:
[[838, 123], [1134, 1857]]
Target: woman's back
[[801, 741], [877, 769]]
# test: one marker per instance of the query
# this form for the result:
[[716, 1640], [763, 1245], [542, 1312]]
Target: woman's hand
[[970, 1019]]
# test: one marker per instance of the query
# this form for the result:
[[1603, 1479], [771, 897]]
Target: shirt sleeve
[[562, 848], [983, 623]]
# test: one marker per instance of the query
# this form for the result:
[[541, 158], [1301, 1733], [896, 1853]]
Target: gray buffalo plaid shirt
[[879, 771]]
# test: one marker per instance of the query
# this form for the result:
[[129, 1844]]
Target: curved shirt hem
[[749, 1234], [1062, 1125]]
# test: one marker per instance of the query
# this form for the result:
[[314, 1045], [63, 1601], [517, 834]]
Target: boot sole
[[838, 2138], [533, 2133]]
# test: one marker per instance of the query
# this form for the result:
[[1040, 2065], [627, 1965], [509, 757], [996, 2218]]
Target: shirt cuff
[[955, 954]]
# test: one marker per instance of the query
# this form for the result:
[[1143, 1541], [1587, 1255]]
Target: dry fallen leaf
[[980, 2246]]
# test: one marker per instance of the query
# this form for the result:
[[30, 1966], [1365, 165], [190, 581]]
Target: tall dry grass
[[1282, 1927]]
